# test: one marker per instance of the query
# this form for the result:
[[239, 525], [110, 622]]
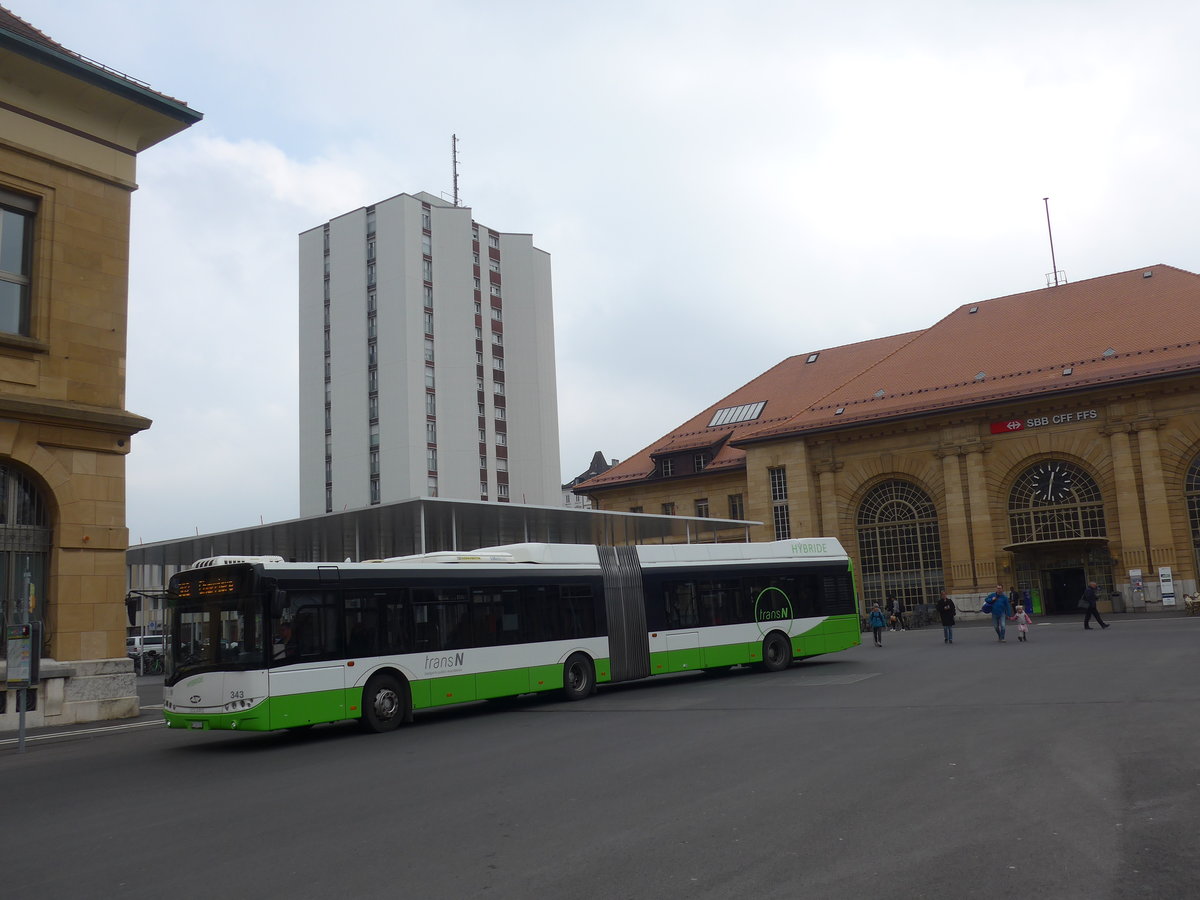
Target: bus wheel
[[384, 704], [776, 652], [579, 676]]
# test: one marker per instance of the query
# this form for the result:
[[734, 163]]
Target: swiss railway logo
[[1005, 427]]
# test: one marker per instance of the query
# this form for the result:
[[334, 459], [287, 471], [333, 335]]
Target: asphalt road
[[1064, 767]]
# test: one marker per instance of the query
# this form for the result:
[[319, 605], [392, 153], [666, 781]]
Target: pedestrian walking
[[946, 610], [1088, 602], [1023, 622], [997, 600], [877, 623], [896, 609]]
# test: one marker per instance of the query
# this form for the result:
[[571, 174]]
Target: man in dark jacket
[[1090, 596]]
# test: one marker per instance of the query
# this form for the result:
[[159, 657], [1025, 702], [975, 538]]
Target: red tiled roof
[[19, 26], [787, 389], [1022, 344]]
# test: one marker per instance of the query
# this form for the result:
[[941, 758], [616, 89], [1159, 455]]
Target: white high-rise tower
[[426, 360]]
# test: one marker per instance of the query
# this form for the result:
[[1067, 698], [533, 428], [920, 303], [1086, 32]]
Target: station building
[[1038, 441], [70, 133]]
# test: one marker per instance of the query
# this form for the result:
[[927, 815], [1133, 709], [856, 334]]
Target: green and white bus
[[260, 644]]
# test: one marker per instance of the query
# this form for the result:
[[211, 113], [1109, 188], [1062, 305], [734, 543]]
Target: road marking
[[60, 734]]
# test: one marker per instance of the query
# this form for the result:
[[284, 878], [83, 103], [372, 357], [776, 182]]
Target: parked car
[[134, 646]]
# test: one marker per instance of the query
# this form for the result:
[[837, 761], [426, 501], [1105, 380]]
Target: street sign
[[24, 644]]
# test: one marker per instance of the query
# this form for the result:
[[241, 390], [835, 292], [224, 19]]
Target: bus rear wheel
[[384, 704], [579, 676], [776, 652]]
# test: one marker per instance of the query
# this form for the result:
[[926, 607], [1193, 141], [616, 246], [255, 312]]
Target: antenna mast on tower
[[1056, 277], [454, 164]]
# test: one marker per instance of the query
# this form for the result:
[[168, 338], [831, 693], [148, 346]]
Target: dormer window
[[667, 468]]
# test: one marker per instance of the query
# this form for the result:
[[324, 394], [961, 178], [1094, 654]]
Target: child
[[877, 623], [1023, 622]]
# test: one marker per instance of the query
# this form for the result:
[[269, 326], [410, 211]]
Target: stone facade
[[958, 491], [70, 132]]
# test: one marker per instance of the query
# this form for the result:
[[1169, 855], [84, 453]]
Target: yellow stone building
[[70, 132], [1039, 441]]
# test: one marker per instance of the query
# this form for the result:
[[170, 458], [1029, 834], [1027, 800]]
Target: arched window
[[899, 545], [24, 546], [1191, 490], [1055, 500]]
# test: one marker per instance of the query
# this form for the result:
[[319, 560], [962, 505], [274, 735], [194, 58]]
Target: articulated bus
[[259, 644]]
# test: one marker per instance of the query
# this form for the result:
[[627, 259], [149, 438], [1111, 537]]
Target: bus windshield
[[210, 633]]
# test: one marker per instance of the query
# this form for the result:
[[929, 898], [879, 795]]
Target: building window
[[495, 290], [374, 490], [426, 245], [701, 461], [1191, 490], [635, 509], [501, 465], [782, 519], [427, 269], [328, 498], [373, 458], [429, 381], [500, 413], [483, 488], [482, 462], [497, 338], [501, 439], [498, 388], [431, 486], [497, 314], [498, 363], [899, 545], [428, 289], [430, 404], [426, 219], [371, 306], [702, 508], [668, 509], [372, 353], [370, 248], [431, 459], [737, 509], [482, 436], [372, 331], [493, 264], [428, 350], [372, 380], [373, 434], [371, 273], [1055, 500], [429, 323], [778, 478], [494, 241], [666, 468], [373, 407], [431, 432], [502, 490]]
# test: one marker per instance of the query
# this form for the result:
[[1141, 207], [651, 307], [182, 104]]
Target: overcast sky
[[720, 185]]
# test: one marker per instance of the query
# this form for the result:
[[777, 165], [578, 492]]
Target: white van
[[136, 644]]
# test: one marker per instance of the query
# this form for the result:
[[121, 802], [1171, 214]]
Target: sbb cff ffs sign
[[1082, 415]]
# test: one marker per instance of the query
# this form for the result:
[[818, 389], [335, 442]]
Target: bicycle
[[151, 663]]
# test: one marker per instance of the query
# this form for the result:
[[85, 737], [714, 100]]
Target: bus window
[[397, 623], [307, 627], [362, 625], [680, 600]]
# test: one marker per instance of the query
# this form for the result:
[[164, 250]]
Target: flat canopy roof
[[426, 524]]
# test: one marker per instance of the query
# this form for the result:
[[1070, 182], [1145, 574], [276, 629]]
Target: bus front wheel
[[384, 704], [579, 676], [776, 652]]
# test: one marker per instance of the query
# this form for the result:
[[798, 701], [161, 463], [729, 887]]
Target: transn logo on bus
[[450, 661]]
